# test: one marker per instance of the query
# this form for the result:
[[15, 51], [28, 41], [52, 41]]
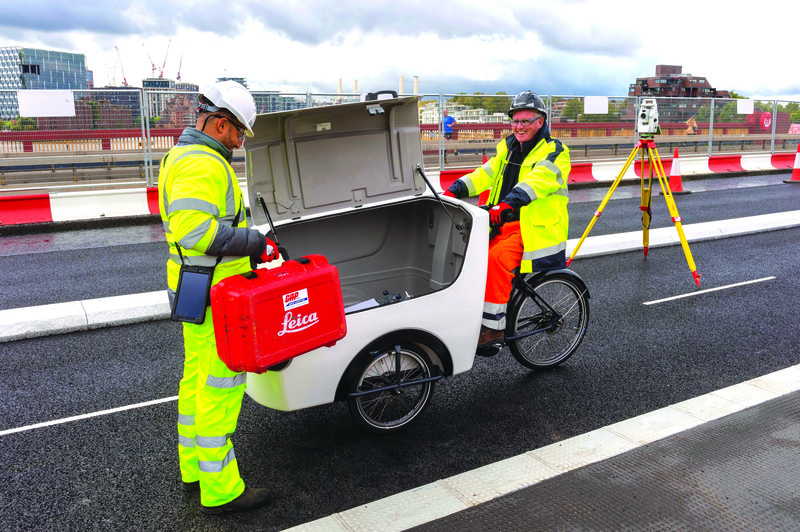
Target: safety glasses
[[525, 122], [239, 129]]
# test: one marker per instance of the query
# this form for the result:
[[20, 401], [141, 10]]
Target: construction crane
[[180, 63], [161, 72], [152, 65], [124, 79]]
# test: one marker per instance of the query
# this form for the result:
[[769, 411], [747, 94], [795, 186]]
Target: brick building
[[671, 81]]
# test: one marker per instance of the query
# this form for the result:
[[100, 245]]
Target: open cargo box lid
[[321, 159]]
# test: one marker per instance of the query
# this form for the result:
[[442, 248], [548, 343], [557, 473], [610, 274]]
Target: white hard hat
[[232, 96]]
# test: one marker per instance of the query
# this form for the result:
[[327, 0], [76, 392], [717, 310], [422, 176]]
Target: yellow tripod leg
[[645, 205], [673, 211], [602, 206]]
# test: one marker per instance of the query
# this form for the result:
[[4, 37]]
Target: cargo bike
[[346, 182]]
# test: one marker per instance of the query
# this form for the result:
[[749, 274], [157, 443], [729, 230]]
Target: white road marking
[[87, 416], [708, 290]]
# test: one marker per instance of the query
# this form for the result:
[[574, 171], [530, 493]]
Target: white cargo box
[[343, 181]]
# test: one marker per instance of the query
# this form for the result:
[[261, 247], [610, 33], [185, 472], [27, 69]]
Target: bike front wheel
[[560, 310]]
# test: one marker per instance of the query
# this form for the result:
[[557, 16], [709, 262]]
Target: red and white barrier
[[74, 206]]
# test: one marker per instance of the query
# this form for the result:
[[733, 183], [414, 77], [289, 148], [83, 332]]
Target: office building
[[158, 92], [23, 68]]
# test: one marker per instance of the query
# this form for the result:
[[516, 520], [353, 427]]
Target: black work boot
[[250, 499], [190, 487]]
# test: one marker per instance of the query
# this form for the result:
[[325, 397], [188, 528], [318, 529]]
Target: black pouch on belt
[[193, 293]]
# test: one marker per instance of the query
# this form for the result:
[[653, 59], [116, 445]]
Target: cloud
[[552, 46], [318, 21], [85, 15]]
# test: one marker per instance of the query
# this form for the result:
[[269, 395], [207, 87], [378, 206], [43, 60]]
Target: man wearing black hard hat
[[528, 178]]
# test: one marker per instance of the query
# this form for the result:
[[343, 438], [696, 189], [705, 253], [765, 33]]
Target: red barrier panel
[[447, 177], [783, 160], [25, 209], [152, 199], [637, 167], [725, 163], [581, 173]]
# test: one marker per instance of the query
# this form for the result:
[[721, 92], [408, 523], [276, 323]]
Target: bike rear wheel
[[561, 308]]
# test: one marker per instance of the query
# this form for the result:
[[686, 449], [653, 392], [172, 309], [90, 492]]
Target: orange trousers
[[505, 255]]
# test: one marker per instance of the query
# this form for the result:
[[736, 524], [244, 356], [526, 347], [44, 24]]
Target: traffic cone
[[796, 170], [486, 160], [675, 183]]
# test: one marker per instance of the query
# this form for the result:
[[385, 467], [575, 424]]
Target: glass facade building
[[30, 68]]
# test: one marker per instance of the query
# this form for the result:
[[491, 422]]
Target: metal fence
[[119, 136]]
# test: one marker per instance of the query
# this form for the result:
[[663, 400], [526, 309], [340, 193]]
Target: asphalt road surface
[[40, 269], [119, 471]]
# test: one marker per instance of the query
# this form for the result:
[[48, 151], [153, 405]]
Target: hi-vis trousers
[[505, 255], [209, 402]]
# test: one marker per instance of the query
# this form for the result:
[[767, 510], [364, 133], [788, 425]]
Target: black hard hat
[[527, 100]]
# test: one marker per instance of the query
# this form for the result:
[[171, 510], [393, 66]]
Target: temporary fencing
[[120, 135]]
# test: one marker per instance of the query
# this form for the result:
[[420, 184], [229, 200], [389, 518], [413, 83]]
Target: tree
[[613, 115], [23, 124], [573, 108], [479, 100], [703, 114], [728, 114]]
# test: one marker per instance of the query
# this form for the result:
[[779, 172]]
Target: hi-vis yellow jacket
[[199, 198], [544, 221]]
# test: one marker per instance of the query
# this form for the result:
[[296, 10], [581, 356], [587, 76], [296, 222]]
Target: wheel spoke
[[394, 408], [561, 310]]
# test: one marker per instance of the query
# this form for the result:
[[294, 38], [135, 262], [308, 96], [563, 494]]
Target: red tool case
[[267, 316]]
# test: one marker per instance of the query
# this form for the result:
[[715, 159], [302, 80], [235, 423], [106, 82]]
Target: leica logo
[[300, 323]]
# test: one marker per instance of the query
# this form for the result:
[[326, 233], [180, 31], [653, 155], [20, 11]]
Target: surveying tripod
[[653, 162]]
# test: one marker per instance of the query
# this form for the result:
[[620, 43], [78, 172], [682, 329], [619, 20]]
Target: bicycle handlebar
[[506, 217]]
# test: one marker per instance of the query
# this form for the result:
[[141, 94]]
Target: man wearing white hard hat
[[203, 212]]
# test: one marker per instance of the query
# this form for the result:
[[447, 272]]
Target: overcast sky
[[567, 47]]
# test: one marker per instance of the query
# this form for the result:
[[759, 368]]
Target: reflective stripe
[[226, 382], [487, 167], [194, 236], [184, 419], [494, 308], [525, 187], [216, 466], [212, 442], [193, 204], [544, 252], [494, 315], [201, 260], [553, 168], [185, 441], [230, 198]]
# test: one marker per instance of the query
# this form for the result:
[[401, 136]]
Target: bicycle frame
[[523, 289]]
